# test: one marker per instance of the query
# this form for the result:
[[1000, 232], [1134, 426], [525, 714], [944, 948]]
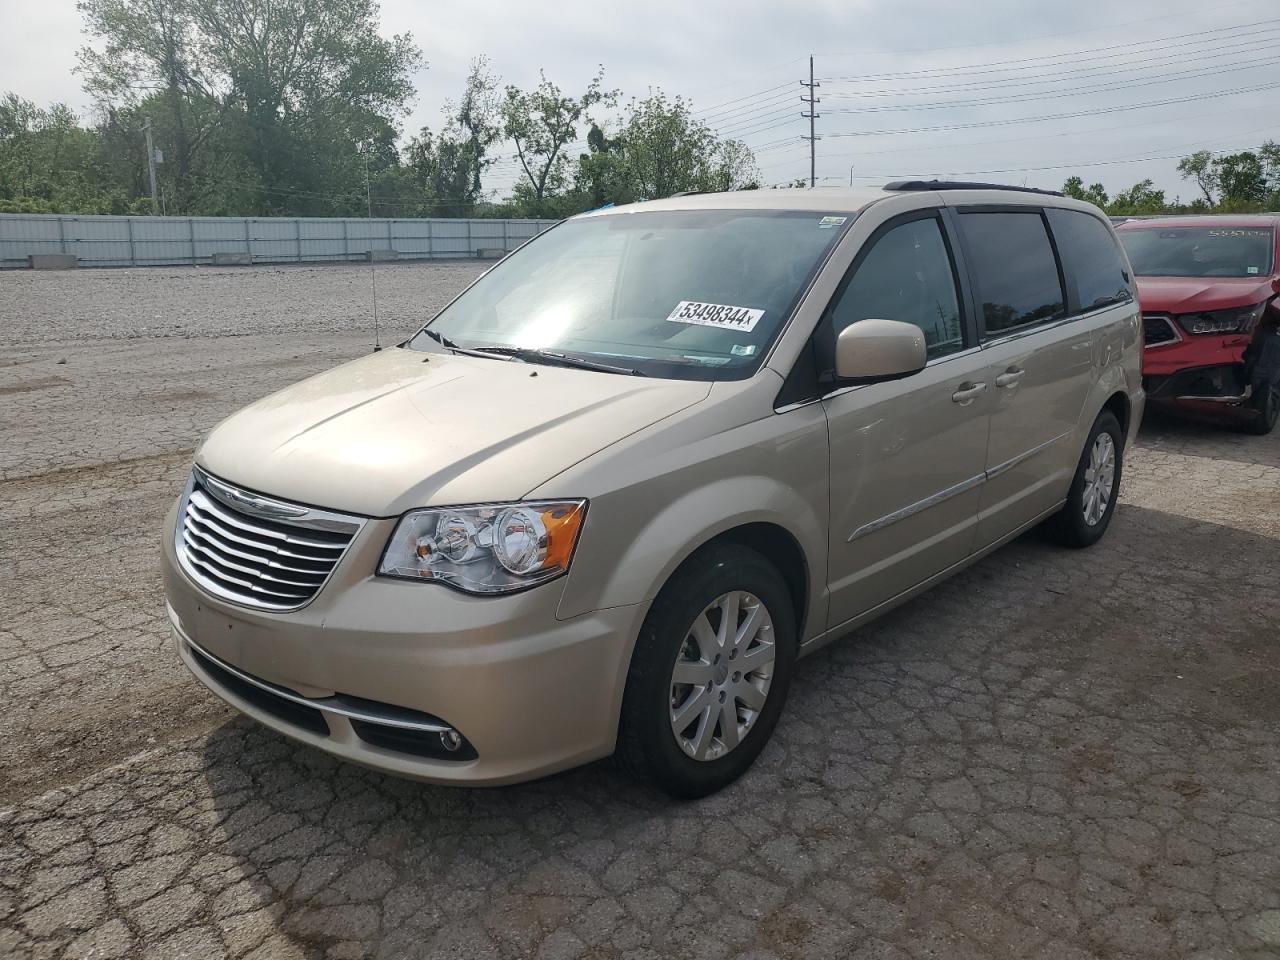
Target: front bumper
[[530, 694], [1216, 389]]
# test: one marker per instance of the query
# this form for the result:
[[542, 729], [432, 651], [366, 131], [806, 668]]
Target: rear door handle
[[1010, 377], [968, 392]]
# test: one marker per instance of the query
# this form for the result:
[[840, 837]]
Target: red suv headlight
[[1235, 320]]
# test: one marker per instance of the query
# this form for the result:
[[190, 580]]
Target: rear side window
[[1016, 271], [1090, 258], [907, 276]]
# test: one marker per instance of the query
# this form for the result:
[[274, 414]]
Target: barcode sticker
[[716, 315]]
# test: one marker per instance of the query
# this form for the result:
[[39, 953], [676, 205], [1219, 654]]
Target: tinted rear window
[[1017, 273], [1091, 258]]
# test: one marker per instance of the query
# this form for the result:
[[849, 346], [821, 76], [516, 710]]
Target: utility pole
[[811, 116], [151, 167]]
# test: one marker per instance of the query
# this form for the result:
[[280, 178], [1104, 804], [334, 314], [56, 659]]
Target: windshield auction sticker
[[716, 315]]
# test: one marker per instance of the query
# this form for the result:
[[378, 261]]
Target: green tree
[[50, 163], [541, 123], [602, 176], [661, 150], [1095, 193], [1200, 168], [291, 86], [1141, 198], [1242, 181], [446, 169]]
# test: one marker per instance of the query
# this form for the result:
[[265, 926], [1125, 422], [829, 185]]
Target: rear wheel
[[710, 673], [1092, 498], [1266, 403]]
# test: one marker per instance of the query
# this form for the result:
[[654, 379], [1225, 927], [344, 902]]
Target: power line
[[1040, 137], [765, 122], [1008, 66], [1167, 15], [777, 97], [1068, 92], [1131, 66], [1059, 116], [748, 96]]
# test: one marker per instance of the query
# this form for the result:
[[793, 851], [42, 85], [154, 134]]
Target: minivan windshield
[[680, 294], [1157, 251]]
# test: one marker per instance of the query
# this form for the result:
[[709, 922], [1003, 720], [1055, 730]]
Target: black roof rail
[[919, 185]]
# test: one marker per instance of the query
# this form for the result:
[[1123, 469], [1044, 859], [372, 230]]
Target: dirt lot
[[1056, 755]]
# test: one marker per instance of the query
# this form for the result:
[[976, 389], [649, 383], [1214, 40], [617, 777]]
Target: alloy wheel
[[1099, 478], [721, 677]]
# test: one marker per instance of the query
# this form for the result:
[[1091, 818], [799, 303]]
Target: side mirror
[[879, 350]]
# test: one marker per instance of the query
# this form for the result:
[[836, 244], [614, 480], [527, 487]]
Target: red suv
[[1211, 319]]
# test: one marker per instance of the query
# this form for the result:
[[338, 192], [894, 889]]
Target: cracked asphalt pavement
[[1054, 755]]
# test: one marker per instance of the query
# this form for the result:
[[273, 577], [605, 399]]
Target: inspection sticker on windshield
[[826, 223], [716, 315]]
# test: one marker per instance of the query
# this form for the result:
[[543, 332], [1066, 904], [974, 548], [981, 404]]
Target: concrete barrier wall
[[155, 241]]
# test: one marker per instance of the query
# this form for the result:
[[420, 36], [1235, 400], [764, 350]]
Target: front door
[[908, 455]]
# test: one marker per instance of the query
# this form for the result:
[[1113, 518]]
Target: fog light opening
[[451, 740]]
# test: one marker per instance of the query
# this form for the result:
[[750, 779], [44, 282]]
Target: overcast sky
[[912, 87]]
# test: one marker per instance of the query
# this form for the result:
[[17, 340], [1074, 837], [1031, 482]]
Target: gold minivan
[[608, 495]]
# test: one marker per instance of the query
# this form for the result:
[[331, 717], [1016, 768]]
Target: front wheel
[[710, 673], [1092, 498]]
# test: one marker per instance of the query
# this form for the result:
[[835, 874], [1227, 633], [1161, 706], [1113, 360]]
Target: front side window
[[1157, 251], [1017, 273], [907, 276], [1091, 258], [682, 294]]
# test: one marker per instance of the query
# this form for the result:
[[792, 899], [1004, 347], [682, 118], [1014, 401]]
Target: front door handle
[[1010, 377], [968, 392]]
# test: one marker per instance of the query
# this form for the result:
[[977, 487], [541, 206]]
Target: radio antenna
[[373, 273]]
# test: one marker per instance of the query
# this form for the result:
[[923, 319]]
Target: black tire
[[1266, 404], [647, 745], [1068, 527]]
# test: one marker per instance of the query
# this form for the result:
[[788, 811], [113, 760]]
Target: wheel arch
[[1118, 403], [758, 512], [780, 548]]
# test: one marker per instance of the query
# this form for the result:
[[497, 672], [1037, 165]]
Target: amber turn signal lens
[[562, 524]]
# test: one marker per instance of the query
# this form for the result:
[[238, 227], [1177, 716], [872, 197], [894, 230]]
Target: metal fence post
[[506, 242], [431, 241], [62, 236], [191, 236], [346, 243], [248, 244], [391, 244], [471, 250], [297, 237], [133, 253]]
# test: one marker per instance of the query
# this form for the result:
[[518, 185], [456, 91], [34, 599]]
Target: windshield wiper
[[529, 355], [450, 344]]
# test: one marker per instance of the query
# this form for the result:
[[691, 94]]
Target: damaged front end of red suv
[[1208, 288]]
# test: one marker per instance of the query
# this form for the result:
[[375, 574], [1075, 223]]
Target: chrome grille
[[1157, 329], [255, 550]]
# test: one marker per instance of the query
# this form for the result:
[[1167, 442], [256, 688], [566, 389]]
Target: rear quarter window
[[1091, 260]]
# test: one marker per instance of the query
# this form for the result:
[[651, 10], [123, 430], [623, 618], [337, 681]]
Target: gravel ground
[[1055, 754]]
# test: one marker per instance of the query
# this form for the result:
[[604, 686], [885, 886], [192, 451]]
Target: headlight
[[1235, 320], [499, 548]]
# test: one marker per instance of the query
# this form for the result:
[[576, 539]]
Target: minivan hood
[[1198, 294], [402, 429]]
